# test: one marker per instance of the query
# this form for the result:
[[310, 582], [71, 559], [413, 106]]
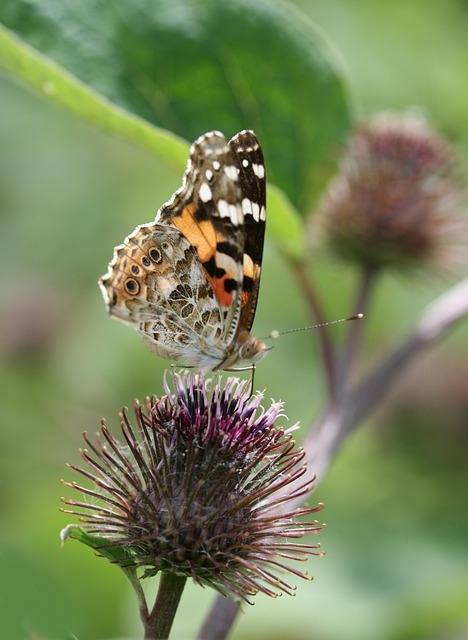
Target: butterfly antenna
[[276, 334]]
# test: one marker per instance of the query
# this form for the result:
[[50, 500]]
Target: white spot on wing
[[256, 211], [226, 262], [223, 208], [259, 170], [209, 174], [253, 209], [246, 206], [216, 165], [231, 172], [245, 162], [234, 214], [205, 192], [227, 210]]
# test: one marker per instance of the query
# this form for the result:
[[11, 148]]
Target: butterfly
[[189, 281]]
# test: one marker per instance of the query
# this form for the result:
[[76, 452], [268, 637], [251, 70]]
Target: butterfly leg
[[251, 368], [252, 378]]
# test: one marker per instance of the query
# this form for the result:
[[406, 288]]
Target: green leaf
[[56, 84], [191, 66], [285, 225], [117, 555]]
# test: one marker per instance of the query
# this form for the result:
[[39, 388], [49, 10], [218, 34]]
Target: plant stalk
[[159, 622]]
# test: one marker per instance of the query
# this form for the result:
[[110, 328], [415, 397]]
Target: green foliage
[[55, 83], [113, 553], [28, 587], [190, 67], [68, 194]]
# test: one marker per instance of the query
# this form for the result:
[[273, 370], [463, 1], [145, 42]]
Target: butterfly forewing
[[207, 211], [253, 189]]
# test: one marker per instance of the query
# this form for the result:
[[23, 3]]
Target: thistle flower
[[200, 489], [396, 200]]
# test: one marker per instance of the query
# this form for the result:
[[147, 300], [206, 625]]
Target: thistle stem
[[136, 584], [354, 340], [341, 417], [316, 310], [159, 622], [220, 620], [438, 318]]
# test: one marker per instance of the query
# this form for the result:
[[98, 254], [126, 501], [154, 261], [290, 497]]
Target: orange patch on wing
[[201, 235], [224, 297], [252, 271], [245, 297]]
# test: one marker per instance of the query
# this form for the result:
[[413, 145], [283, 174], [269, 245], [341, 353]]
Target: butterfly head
[[251, 349]]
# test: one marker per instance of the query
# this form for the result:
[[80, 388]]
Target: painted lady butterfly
[[189, 281]]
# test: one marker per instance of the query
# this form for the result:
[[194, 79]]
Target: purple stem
[[316, 311], [341, 417], [220, 620], [353, 344]]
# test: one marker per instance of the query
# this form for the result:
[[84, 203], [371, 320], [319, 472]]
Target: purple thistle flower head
[[200, 487]]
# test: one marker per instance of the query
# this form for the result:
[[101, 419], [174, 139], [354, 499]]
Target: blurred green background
[[396, 497]]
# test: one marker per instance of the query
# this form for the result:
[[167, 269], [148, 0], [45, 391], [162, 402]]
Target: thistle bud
[[396, 201]]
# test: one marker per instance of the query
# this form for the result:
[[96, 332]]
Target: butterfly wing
[[156, 284], [207, 211], [252, 181]]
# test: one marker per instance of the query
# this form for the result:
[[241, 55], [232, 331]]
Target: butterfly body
[[188, 282]]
